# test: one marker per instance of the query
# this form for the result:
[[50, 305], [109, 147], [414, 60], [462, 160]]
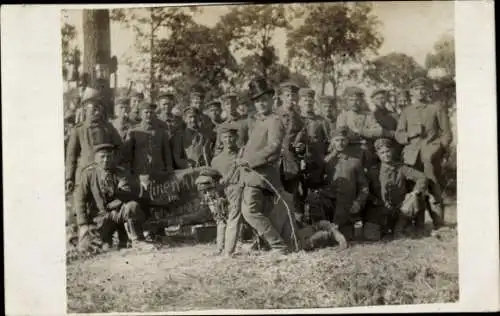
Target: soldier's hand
[[355, 208], [69, 186], [115, 216]]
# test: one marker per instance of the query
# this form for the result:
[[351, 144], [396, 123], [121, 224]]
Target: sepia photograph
[[274, 156]]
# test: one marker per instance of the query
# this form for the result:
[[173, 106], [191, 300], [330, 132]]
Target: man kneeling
[[104, 201]]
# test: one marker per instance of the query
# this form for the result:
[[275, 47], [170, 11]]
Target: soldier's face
[[191, 120], [384, 154], [104, 159], [94, 112], [167, 103], [379, 100], [134, 102], [330, 110], [122, 110], [243, 110], [307, 104], [353, 102], [229, 139], [289, 99], [214, 112], [196, 101], [147, 115], [264, 104], [418, 93], [340, 143]]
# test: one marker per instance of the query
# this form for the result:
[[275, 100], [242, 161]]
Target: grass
[[188, 277]]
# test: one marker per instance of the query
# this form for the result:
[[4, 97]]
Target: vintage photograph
[[275, 156]]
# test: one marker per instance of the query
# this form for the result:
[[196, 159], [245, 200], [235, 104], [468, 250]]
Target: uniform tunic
[[346, 183], [122, 126], [99, 193], [147, 149], [80, 150]]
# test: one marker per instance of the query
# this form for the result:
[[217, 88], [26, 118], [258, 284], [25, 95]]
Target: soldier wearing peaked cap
[[391, 205], [329, 110], [121, 122], [166, 106], [192, 146], [230, 107], [424, 131], [135, 100], [104, 203], [311, 146], [384, 116]]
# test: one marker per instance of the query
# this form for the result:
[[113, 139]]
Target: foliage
[[149, 26], [250, 29], [71, 54], [394, 71], [332, 36]]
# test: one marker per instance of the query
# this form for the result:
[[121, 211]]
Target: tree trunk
[[151, 65], [97, 50], [323, 78]]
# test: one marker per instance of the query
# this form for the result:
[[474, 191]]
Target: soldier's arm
[[82, 196], [272, 150], [177, 152], [203, 215], [72, 153], [167, 152], [127, 151], [415, 176], [444, 126], [341, 120], [117, 141], [401, 134]]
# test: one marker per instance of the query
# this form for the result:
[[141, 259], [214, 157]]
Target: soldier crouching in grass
[[343, 197], [104, 201], [214, 206], [391, 207]]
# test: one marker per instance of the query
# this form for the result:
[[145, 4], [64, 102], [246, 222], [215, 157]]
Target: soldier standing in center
[[328, 106], [121, 121], [293, 124], [312, 141], [386, 118], [196, 98], [259, 161], [191, 147]]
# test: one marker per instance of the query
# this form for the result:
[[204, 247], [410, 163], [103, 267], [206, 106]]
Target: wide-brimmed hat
[[259, 87]]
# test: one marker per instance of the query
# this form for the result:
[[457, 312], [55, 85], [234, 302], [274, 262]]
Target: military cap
[[166, 94], [307, 92], [327, 99], [104, 147], [339, 132], [211, 173], [382, 142], [227, 127], [379, 91], [229, 96], [147, 105], [418, 82], [91, 94], [353, 90], [289, 86], [191, 109], [196, 92], [122, 100], [138, 95], [213, 103], [258, 87]]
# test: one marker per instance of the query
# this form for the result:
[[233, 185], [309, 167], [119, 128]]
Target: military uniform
[[329, 109], [104, 200], [262, 153], [147, 149], [424, 130], [191, 147], [389, 186], [122, 126]]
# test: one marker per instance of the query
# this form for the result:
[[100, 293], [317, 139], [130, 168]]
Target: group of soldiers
[[353, 173]]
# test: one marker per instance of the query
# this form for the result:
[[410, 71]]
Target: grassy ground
[[188, 277]]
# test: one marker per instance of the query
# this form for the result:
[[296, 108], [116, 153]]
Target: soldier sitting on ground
[[391, 207], [346, 189], [104, 201]]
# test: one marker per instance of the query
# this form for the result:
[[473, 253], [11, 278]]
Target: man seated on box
[[104, 201]]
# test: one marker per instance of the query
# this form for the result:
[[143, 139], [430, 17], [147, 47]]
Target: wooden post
[[97, 51]]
